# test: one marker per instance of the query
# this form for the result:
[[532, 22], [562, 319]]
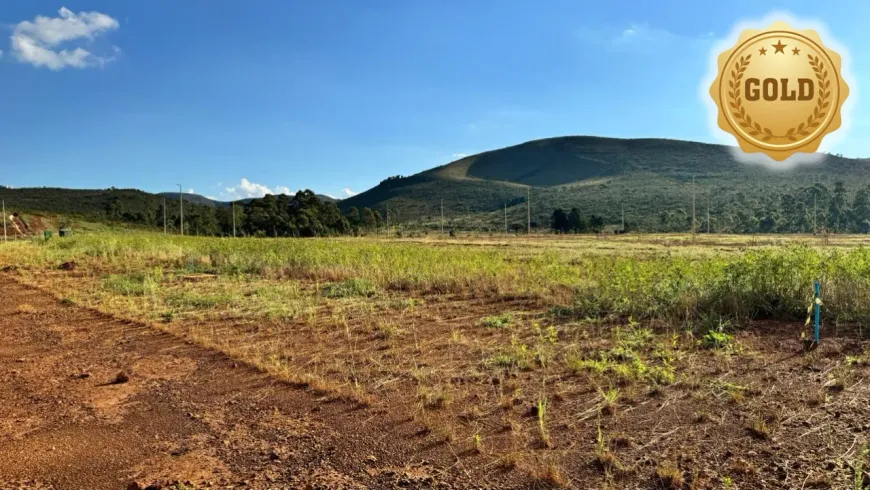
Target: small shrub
[[759, 429], [386, 331], [498, 321], [548, 475], [717, 338], [509, 461], [670, 476], [517, 355], [608, 400], [349, 288], [435, 399], [663, 375]]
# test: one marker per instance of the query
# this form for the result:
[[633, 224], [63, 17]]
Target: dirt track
[[186, 414]]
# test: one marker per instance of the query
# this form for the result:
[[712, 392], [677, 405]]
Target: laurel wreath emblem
[[754, 128]]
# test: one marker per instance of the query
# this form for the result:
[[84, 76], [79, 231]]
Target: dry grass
[[539, 383], [548, 475], [26, 309], [670, 476]]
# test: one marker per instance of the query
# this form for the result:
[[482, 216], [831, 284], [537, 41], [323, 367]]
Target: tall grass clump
[[773, 283]]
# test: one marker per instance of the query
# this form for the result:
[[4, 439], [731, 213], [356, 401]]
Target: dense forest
[[303, 214]]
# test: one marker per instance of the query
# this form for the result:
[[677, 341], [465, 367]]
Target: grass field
[[575, 361]]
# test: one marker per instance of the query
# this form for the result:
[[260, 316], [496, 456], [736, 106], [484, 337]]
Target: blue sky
[[334, 95]]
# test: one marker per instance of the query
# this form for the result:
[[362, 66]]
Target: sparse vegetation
[[608, 400], [670, 476], [513, 353], [497, 321], [718, 338], [26, 309], [543, 405]]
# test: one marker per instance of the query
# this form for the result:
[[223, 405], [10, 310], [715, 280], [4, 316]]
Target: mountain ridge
[[646, 176]]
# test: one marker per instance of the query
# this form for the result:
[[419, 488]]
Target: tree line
[[573, 222], [300, 215], [814, 208]]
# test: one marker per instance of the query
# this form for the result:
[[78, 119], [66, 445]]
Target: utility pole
[[623, 218], [442, 216], [4, 220], [529, 210], [234, 219], [164, 215], [708, 214], [181, 207], [693, 208], [814, 215], [505, 219]]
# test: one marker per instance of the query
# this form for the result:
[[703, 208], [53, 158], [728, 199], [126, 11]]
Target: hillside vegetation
[[303, 214], [649, 178], [598, 181]]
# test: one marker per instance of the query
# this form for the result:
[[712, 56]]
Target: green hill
[[196, 199], [84, 202], [649, 178], [205, 201]]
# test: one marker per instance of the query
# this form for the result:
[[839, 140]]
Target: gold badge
[[779, 91]]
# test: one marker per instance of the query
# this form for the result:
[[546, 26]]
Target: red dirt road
[[186, 414]]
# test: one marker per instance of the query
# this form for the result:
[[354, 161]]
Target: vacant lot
[[577, 362]]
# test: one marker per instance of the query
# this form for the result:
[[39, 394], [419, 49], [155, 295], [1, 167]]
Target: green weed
[[349, 288], [498, 321]]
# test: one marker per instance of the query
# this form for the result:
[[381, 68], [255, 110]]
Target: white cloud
[[247, 189], [638, 37], [39, 42], [642, 33], [459, 155], [347, 192], [190, 191]]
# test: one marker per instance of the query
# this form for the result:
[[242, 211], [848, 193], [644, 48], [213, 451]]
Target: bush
[[349, 288]]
